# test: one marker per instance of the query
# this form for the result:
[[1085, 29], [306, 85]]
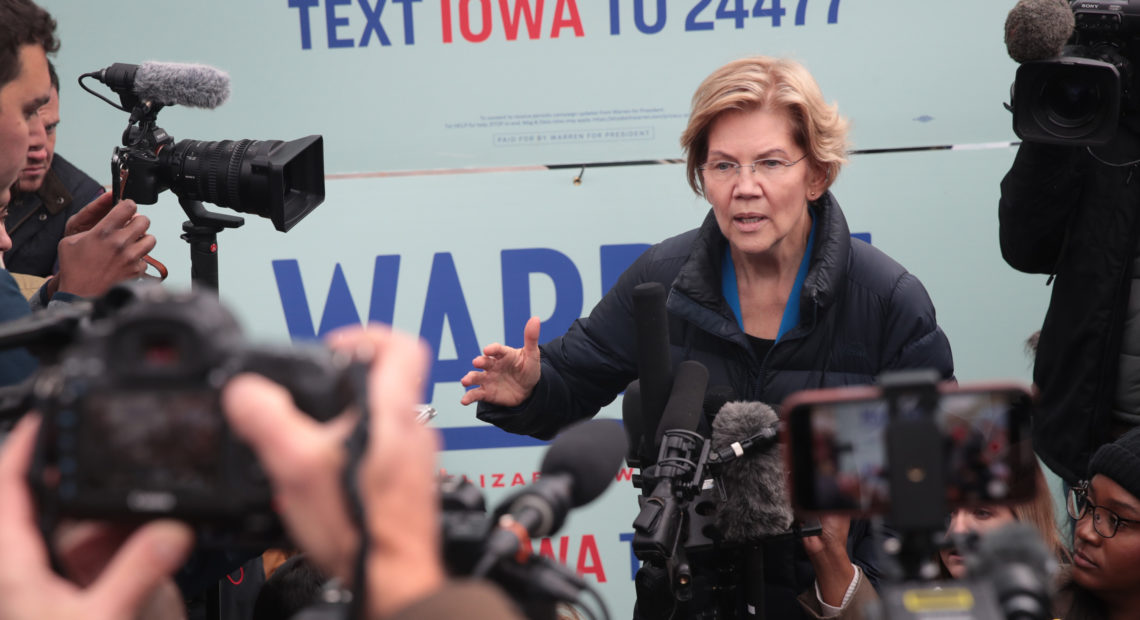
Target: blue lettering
[[409, 30], [445, 301], [616, 259], [373, 23], [303, 7], [639, 17], [517, 265], [332, 22], [634, 563], [340, 309]]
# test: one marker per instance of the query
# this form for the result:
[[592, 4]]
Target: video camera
[[129, 390], [1079, 96], [914, 449], [278, 180]]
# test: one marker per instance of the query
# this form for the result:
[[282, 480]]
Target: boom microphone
[[757, 504], [685, 407], [632, 421], [654, 368], [1038, 29], [169, 83], [578, 466]]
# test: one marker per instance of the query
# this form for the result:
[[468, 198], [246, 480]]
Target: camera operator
[[104, 243], [1070, 208], [50, 190], [403, 566]]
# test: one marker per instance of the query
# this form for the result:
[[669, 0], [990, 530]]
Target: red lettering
[[465, 21], [560, 22], [445, 21], [624, 474], [511, 21], [518, 480], [589, 562], [546, 549], [498, 484]]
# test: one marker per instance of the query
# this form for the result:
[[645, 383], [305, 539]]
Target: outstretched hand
[[506, 375]]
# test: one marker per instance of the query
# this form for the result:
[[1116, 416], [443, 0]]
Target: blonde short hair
[[777, 84]]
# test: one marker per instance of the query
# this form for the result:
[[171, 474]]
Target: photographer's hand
[[101, 254], [828, 554], [128, 575], [304, 461]]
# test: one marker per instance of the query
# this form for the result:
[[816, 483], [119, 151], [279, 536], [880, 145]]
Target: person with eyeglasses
[[770, 293], [1104, 579]]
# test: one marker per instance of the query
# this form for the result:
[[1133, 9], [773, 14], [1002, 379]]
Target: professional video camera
[[914, 449], [274, 179], [132, 426], [1078, 96]]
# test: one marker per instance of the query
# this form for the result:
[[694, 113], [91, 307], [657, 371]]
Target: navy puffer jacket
[[861, 313]]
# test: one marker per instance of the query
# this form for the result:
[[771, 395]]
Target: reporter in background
[[1104, 582], [770, 293], [50, 190], [105, 243]]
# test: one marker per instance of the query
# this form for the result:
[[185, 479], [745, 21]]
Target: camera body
[[1079, 97], [132, 423]]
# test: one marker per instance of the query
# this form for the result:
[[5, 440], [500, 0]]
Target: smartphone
[[837, 451]]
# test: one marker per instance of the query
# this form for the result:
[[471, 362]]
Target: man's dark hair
[[53, 75], [22, 23]]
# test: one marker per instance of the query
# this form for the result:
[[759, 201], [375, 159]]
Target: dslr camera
[[1079, 96], [132, 424]]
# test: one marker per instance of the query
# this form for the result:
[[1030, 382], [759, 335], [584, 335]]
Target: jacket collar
[[699, 277]]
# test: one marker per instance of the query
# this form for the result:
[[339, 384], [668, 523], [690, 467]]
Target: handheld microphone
[[1038, 29], [577, 468], [168, 83], [756, 503], [1016, 562], [654, 368]]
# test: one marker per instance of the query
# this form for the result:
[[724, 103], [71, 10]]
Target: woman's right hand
[[506, 375]]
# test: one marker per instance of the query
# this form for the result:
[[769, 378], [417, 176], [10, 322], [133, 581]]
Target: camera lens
[[1069, 100]]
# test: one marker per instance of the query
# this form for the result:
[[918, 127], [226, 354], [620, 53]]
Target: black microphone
[[1038, 29], [684, 409], [580, 463], [169, 83], [1014, 560], [756, 503], [654, 367], [631, 419]]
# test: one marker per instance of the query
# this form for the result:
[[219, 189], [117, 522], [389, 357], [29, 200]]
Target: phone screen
[[839, 457]]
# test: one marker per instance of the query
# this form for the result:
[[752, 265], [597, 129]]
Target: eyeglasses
[[767, 167], [1105, 522]]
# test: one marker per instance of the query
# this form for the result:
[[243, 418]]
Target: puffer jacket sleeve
[[1038, 194], [911, 335], [584, 369]]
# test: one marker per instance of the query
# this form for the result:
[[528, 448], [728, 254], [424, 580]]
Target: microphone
[[579, 465], [1038, 29], [1016, 562], [631, 419], [685, 408], [169, 83], [654, 367], [756, 503]]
